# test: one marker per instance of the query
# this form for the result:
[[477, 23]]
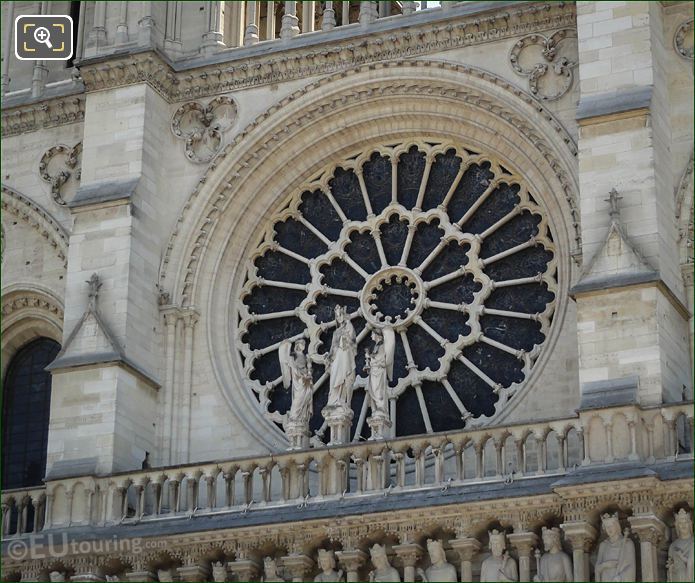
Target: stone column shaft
[[410, 554], [581, 536], [467, 548], [524, 542]]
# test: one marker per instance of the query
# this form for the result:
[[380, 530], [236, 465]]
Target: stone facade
[[150, 187]]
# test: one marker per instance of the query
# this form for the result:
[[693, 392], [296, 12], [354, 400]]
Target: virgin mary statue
[[342, 362]]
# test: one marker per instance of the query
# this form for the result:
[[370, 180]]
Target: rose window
[[444, 244]]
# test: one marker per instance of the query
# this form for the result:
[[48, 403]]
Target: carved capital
[[467, 548], [649, 528], [351, 560], [298, 566], [194, 573], [581, 535], [523, 542], [245, 569], [409, 553]]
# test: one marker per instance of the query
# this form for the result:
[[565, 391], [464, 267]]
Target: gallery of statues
[[347, 291]]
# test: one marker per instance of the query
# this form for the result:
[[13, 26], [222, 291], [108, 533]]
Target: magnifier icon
[[41, 35]]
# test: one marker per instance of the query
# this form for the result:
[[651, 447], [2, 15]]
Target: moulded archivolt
[[445, 244]]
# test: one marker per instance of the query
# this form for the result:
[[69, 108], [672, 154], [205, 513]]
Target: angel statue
[[379, 365], [342, 361], [296, 373]]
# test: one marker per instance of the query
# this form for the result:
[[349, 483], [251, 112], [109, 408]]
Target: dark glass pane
[[318, 210], [26, 409], [345, 188], [409, 419], [518, 230], [266, 299], [425, 239], [393, 235], [411, 167], [295, 236], [499, 203], [442, 175], [476, 395], [473, 183], [525, 263], [362, 249], [377, 177], [514, 332], [280, 267]]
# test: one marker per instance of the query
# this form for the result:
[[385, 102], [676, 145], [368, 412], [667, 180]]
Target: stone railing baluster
[[290, 22], [408, 8], [155, 494], [251, 32], [458, 451], [270, 21], [230, 486], [368, 13], [308, 15], [479, 448], [328, 19]]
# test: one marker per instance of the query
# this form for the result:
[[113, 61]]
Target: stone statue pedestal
[[380, 425], [298, 434], [339, 420]]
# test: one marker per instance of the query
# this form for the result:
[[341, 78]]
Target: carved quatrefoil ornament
[[202, 127], [60, 165], [683, 40], [548, 62]]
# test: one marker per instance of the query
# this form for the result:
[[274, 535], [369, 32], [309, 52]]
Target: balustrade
[[356, 469]]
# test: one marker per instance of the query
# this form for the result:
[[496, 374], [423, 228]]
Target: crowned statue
[[379, 366], [328, 574], [679, 565], [295, 366], [499, 566], [383, 571], [270, 571], [616, 554], [341, 361], [439, 569], [219, 572], [554, 565]]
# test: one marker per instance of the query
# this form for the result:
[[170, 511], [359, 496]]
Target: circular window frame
[[290, 203]]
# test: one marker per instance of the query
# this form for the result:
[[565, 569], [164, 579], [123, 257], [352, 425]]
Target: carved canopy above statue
[[445, 244]]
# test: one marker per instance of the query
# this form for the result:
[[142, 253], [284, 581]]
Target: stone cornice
[[176, 82], [44, 114], [38, 218], [182, 81]]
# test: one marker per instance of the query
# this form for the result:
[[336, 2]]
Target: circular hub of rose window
[[392, 297], [446, 245]]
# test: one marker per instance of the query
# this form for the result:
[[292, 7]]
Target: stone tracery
[[443, 243]]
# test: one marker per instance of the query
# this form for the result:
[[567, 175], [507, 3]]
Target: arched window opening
[[26, 407]]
